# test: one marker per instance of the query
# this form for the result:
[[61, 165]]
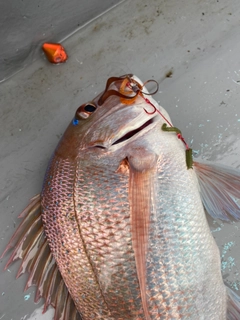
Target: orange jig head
[[132, 88], [55, 52]]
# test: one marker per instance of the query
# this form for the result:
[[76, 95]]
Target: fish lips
[[124, 137]]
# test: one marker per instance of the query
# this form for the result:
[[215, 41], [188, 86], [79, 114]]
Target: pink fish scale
[[62, 230], [179, 256], [103, 213]]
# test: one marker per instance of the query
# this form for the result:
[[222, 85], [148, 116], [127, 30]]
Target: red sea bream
[[120, 230]]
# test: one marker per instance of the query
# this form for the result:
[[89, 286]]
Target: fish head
[[120, 121]]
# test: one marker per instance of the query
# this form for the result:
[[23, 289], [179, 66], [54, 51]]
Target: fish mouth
[[126, 136], [133, 132]]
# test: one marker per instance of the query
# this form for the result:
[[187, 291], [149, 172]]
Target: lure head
[[55, 52]]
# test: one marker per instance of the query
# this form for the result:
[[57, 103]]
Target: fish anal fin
[[67, 308], [60, 301], [30, 245], [41, 285], [219, 189], [31, 213], [20, 246], [49, 288], [35, 204], [36, 266], [28, 255]]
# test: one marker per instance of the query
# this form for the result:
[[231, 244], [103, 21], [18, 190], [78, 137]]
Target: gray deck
[[198, 40]]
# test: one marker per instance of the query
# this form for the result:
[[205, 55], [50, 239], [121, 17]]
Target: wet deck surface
[[199, 42]]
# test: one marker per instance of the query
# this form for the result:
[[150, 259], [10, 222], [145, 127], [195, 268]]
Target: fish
[[119, 230]]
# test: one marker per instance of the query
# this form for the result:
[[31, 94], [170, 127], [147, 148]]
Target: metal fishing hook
[[154, 108]]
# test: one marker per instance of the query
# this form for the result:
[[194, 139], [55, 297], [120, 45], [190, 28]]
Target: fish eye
[[85, 110], [89, 108]]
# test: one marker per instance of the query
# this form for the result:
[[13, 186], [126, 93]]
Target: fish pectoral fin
[[30, 245], [219, 189], [233, 305]]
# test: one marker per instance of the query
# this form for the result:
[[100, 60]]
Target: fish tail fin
[[219, 189], [30, 245], [233, 307]]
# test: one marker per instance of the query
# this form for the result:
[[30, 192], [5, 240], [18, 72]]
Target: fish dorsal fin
[[233, 305], [220, 189], [30, 245]]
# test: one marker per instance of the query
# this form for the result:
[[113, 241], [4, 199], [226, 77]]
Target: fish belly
[[183, 265]]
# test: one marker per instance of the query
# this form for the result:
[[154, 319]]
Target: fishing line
[[137, 88]]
